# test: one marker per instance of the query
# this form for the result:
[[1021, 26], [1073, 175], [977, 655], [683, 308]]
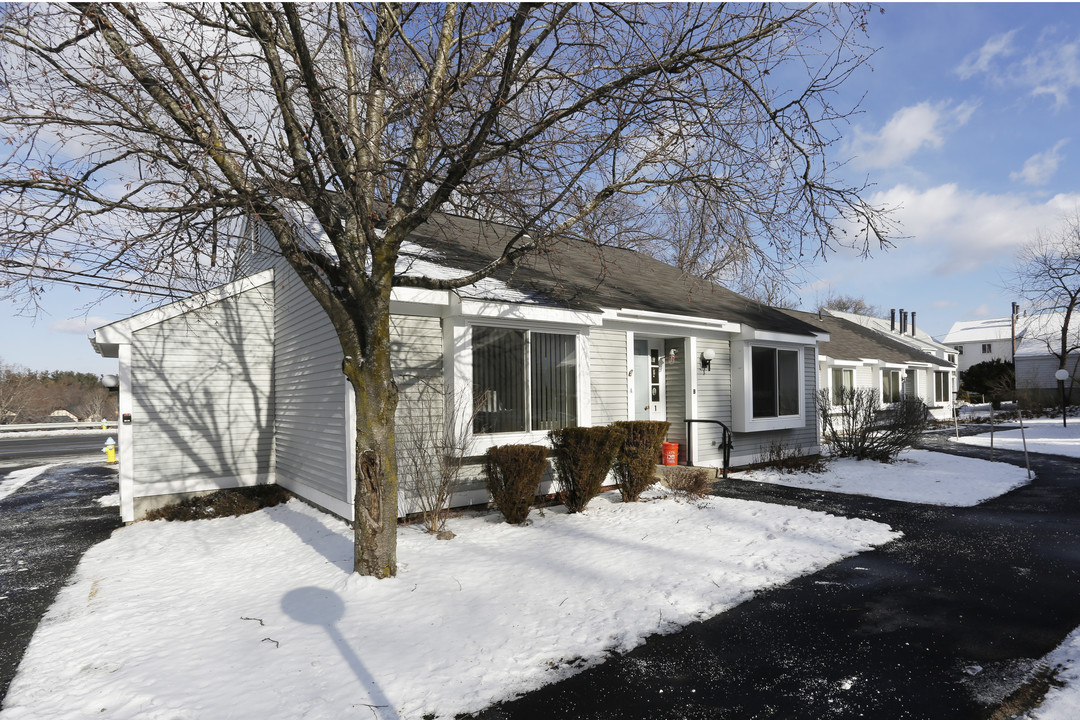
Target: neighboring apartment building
[[977, 341]]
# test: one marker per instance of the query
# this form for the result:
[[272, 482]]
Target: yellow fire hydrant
[[104, 425], [110, 451]]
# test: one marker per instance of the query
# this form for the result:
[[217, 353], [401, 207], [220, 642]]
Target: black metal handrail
[[725, 443]]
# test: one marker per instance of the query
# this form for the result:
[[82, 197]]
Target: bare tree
[[16, 388], [849, 303], [1047, 275], [141, 134]]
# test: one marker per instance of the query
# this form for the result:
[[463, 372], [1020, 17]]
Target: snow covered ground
[[918, 476], [1044, 435], [1062, 703], [244, 617]]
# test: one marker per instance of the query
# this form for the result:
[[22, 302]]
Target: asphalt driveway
[[943, 623], [45, 527]]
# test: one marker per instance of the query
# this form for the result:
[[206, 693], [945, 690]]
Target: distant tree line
[[28, 396]]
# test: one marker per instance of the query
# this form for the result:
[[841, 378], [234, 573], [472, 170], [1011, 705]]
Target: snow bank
[[918, 476], [259, 616], [1063, 703], [1044, 435]]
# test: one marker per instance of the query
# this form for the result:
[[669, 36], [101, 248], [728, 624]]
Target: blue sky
[[968, 125]]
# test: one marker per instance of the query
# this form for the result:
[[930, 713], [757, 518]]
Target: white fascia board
[[691, 322], [892, 365], [920, 365], [846, 363], [528, 313], [749, 334], [120, 332], [420, 296]]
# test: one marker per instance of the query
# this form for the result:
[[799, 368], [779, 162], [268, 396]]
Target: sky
[[967, 126]]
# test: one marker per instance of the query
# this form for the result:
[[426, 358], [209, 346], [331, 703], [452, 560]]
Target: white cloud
[[1040, 167], [941, 304], [908, 131], [981, 60], [962, 230], [79, 325], [982, 311], [1052, 68]]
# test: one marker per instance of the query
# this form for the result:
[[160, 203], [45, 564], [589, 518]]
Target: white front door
[[649, 380]]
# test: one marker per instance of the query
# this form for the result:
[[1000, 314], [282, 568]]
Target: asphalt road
[[16, 446], [940, 624], [45, 527]]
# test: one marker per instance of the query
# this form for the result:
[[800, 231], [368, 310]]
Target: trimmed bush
[[583, 456], [635, 465], [513, 475], [692, 481]]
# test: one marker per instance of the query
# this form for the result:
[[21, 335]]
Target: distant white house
[[1036, 361], [977, 341]]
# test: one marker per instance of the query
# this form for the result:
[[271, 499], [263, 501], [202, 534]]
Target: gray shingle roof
[[851, 341], [581, 276]]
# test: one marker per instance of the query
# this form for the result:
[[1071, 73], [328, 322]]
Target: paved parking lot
[[45, 527]]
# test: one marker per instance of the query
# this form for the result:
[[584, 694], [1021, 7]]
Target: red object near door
[[671, 453]]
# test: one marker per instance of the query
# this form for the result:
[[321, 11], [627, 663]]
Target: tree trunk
[[375, 397]]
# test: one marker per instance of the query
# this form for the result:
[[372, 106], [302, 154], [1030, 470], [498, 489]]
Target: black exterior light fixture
[[706, 360]]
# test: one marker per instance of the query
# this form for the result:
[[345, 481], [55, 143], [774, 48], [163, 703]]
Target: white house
[[977, 341], [243, 384], [1036, 361]]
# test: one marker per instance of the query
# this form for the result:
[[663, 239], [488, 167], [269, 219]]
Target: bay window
[[523, 380], [774, 382]]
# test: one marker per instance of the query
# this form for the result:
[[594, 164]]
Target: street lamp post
[[1062, 375]]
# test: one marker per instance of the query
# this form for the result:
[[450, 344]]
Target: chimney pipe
[[903, 321], [892, 320], [912, 323]]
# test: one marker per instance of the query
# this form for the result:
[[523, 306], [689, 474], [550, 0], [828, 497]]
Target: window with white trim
[[842, 379], [523, 380], [891, 391], [774, 377], [987, 348], [941, 387]]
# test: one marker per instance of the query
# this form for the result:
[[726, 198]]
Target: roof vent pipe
[[892, 320], [912, 323], [903, 321]]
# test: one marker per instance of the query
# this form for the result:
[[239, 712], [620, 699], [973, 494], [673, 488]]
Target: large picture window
[[890, 386], [523, 380], [842, 379], [775, 382]]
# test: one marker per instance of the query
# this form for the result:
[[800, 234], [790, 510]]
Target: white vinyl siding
[[713, 400], [202, 397], [607, 362]]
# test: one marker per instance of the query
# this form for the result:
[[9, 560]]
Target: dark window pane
[[499, 379], [787, 381], [554, 381], [763, 379]]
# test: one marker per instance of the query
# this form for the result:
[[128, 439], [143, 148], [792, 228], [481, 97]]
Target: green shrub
[[635, 465], [692, 481], [583, 456], [513, 475]]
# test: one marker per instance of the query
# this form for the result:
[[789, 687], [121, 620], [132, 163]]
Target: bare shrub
[[513, 475], [692, 481], [635, 465], [861, 428], [434, 440], [788, 458]]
